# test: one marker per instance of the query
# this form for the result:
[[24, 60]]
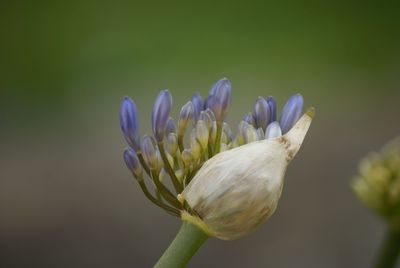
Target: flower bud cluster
[[378, 183], [177, 151]]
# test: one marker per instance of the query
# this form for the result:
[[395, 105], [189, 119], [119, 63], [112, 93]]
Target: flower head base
[[227, 184], [238, 190], [378, 183]]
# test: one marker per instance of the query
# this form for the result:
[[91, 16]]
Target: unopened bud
[[272, 108], [202, 133], [185, 116], [172, 144], [160, 114], [195, 146], [273, 130], [149, 152], [291, 112], [261, 113], [260, 134], [133, 163], [187, 157], [171, 126], [197, 105], [250, 134]]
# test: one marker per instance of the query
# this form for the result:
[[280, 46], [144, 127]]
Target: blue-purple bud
[[185, 116], [272, 108], [291, 112], [273, 130], [248, 118], [149, 151], [128, 116], [133, 163], [220, 98], [197, 105], [160, 114], [171, 126], [207, 102], [261, 113]]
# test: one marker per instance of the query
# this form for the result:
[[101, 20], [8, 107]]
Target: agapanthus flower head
[[378, 183], [229, 183]]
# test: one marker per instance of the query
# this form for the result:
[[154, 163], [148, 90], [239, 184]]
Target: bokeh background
[[67, 200]]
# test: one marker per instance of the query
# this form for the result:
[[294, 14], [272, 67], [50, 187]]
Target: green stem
[[165, 192], [218, 138], [157, 202], [390, 250], [180, 143], [186, 243], [178, 187]]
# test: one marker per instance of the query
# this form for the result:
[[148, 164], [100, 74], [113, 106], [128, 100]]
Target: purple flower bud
[[149, 151], [160, 114], [261, 113], [291, 112], [128, 116], [248, 118], [197, 105], [220, 98], [273, 130], [207, 102], [133, 163], [185, 116], [171, 126], [272, 108]]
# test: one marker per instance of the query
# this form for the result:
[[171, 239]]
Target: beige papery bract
[[238, 190]]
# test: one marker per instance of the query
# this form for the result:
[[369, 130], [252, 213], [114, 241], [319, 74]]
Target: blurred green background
[[66, 199]]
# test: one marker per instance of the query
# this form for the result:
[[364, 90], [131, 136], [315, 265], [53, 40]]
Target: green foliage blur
[[87, 49]]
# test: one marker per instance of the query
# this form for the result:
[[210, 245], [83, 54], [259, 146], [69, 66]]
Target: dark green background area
[[66, 198]]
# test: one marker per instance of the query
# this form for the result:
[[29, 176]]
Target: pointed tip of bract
[[310, 112], [297, 133]]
